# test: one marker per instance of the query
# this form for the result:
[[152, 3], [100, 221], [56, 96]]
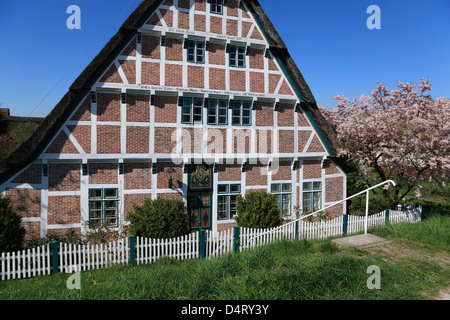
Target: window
[[312, 196], [195, 51], [217, 6], [227, 200], [283, 192], [103, 207], [191, 110], [217, 111], [237, 56], [241, 112]]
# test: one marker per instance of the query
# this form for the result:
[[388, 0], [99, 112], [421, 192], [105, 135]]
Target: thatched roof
[[48, 128]]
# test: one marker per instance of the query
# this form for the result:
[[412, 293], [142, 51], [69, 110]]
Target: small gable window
[[217, 6], [195, 51], [237, 56]]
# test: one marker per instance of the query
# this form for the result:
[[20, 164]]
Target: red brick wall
[[216, 53], [163, 175], [196, 77], [82, 134], [26, 202], [229, 172], [282, 172], [32, 175], [174, 49], [166, 109], [138, 140], [217, 141], [150, 73], [151, 46], [264, 113], [237, 80], [285, 115], [312, 169], [256, 175], [138, 108], [108, 139], [133, 199], [174, 75], [108, 106], [286, 143], [217, 79], [165, 140], [64, 210], [64, 177], [103, 173], [137, 175], [333, 189]]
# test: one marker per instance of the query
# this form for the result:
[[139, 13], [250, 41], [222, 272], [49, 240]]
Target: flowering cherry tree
[[401, 134]]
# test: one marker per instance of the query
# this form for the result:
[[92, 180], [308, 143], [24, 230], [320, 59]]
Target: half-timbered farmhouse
[[191, 99]]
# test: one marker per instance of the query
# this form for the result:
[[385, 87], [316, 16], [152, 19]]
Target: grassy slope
[[299, 270]]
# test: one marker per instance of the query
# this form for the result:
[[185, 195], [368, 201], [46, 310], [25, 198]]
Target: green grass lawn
[[298, 270]]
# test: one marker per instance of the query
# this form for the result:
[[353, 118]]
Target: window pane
[[223, 108], [233, 58], [286, 187], [95, 194], [223, 188], [286, 204], [307, 186], [191, 51], [198, 110], [317, 185], [212, 112], [317, 199], [111, 193], [235, 188], [223, 207], [241, 56], [307, 203], [200, 52], [275, 188], [186, 111], [236, 112], [233, 210]]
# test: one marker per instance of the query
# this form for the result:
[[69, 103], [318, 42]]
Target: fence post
[[202, 245], [344, 224], [296, 229], [132, 250], [55, 266], [237, 240], [387, 216]]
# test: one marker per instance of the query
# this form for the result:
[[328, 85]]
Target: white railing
[[366, 191]]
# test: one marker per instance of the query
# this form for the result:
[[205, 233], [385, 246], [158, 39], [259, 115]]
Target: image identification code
[[243, 309]]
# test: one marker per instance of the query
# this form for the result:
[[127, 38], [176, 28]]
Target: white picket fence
[[182, 248], [71, 258]]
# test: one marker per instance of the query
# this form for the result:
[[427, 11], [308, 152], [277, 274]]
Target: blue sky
[[328, 39]]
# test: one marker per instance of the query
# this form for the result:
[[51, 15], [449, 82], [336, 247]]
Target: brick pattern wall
[[256, 175], [32, 175], [103, 173], [138, 108], [312, 169], [64, 177], [26, 202], [137, 175], [166, 109], [281, 172], [229, 172], [63, 210]]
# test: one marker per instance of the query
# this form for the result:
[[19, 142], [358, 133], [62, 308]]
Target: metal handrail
[[366, 191]]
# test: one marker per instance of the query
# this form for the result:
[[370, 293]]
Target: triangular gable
[[122, 48]]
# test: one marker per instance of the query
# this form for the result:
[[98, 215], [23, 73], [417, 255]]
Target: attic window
[[217, 6]]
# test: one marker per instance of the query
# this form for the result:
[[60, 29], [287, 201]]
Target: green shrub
[[377, 204], [258, 210], [11, 232], [160, 219], [433, 208]]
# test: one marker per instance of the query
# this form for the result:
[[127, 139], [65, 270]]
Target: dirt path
[[390, 252]]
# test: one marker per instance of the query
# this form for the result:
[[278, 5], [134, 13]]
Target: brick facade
[[126, 135]]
